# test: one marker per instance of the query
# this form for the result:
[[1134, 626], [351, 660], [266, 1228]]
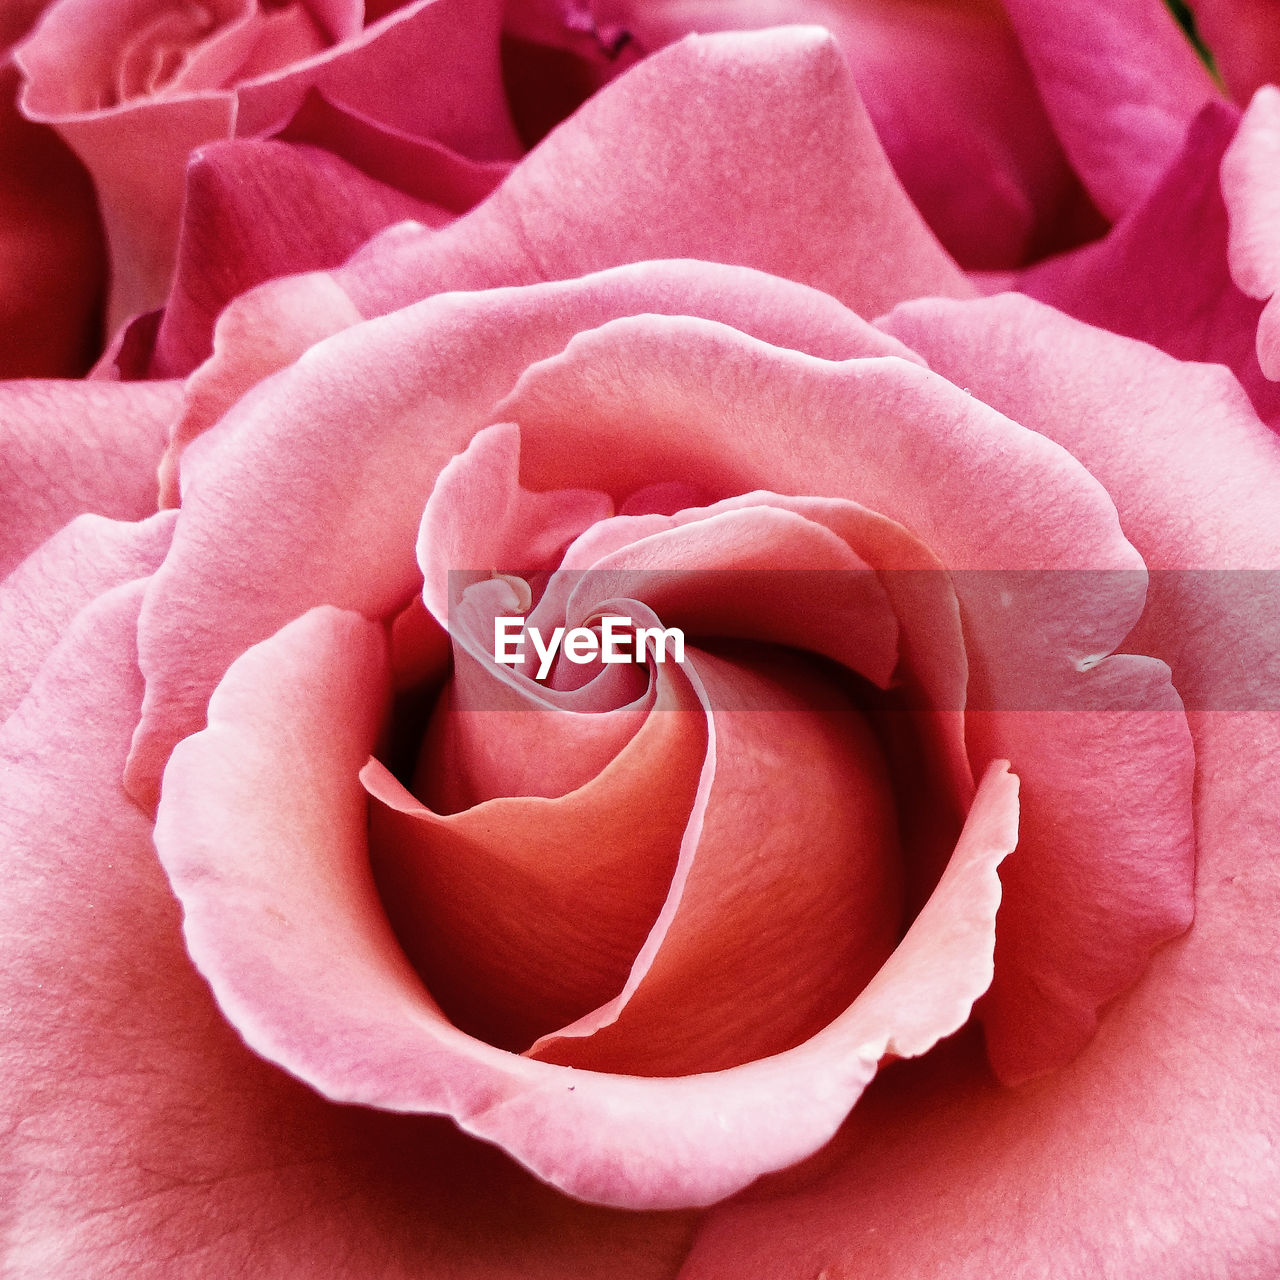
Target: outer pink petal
[[429, 68], [88, 557], [1252, 192], [1121, 84], [1162, 274], [772, 155], [287, 460], [1244, 38], [1154, 1153], [140, 1137], [69, 447], [950, 95], [282, 917], [261, 333]]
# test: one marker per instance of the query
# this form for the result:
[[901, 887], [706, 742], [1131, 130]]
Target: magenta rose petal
[[249, 216], [255, 481], [1142, 282], [1245, 42], [1153, 1145], [135, 137], [71, 447], [810, 195], [83, 560], [951, 98], [1121, 84], [150, 1138], [282, 917], [395, 70], [1253, 206]]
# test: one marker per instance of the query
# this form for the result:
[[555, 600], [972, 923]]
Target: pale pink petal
[[1162, 273], [976, 487], [70, 447], [141, 1137], [137, 156], [265, 330], [1121, 83], [39, 599], [1244, 39], [1252, 196], [1154, 1153], [480, 519], [951, 98], [257, 482], [283, 919], [764, 137]]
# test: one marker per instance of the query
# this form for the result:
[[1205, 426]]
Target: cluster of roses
[[918, 362]]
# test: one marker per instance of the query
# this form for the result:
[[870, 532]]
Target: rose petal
[[265, 331], [249, 216], [770, 101], [1121, 84], [1141, 280], [765, 938], [137, 151], [1244, 40], [82, 561], [1253, 206], [1153, 1145], [70, 447], [406, 161], [282, 917], [149, 1137], [524, 914], [951, 98], [262, 481]]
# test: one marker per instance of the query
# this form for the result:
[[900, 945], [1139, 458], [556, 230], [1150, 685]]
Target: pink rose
[[687, 388], [413, 93]]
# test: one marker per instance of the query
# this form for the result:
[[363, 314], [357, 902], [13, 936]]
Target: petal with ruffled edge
[[140, 1135], [265, 846], [1155, 1151], [286, 459]]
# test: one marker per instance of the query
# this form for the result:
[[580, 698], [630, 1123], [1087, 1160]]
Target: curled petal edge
[[284, 922]]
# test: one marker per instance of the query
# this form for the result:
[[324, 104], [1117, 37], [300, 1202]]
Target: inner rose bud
[[653, 868]]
